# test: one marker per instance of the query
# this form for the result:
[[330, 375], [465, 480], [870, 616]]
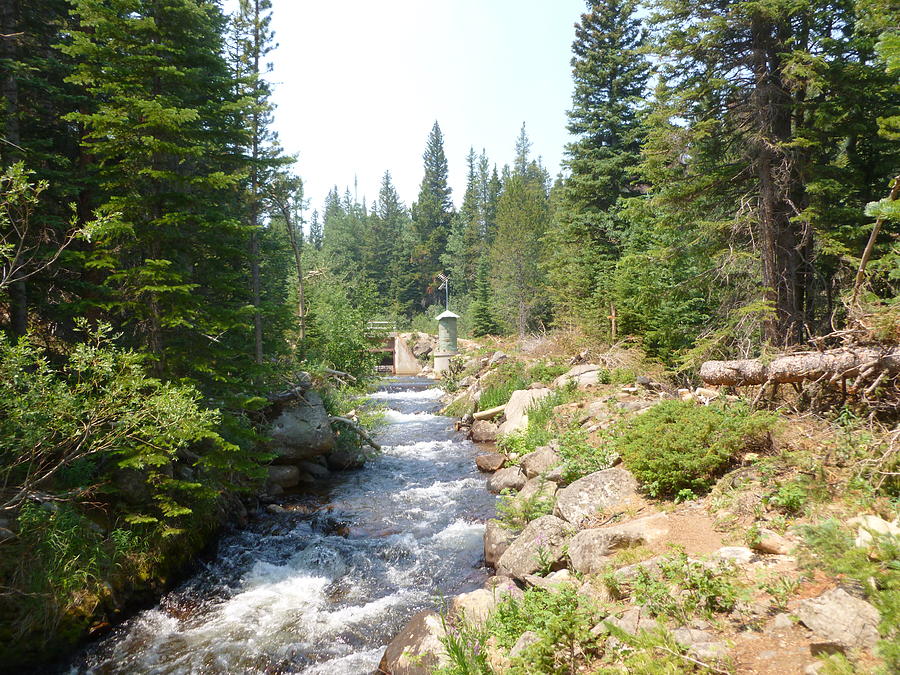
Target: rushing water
[[324, 586]]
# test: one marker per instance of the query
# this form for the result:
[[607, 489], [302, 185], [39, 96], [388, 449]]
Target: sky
[[359, 84]]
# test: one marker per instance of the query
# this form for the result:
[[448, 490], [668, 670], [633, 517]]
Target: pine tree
[[165, 135], [464, 245], [517, 250], [315, 231], [610, 74], [433, 212], [483, 321]]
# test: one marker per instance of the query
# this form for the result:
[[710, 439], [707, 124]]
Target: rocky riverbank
[[753, 573]]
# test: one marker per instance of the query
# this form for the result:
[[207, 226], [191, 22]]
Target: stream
[[322, 587]]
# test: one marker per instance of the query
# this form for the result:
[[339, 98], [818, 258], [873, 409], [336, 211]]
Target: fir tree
[[483, 321]]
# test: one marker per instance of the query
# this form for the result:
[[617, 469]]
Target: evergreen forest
[[730, 190]]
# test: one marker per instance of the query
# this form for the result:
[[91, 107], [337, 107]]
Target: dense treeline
[[151, 296], [160, 271], [713, 198]]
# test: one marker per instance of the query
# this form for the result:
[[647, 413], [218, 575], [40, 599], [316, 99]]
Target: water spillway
[[322, 587]]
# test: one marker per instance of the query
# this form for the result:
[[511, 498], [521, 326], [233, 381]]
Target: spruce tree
[[433, 211], [610, 74], [483, 321], [164, 135]]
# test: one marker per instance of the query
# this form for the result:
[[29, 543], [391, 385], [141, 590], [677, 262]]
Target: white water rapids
[[322, 588]]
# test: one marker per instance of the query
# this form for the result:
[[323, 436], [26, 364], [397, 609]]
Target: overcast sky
[[360, 82]]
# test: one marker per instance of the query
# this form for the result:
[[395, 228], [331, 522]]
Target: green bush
[[546, 372], [515, 512], [678, 445]]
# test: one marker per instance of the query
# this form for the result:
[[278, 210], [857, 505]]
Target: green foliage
[[679, 587], [515, 512], [678, 445], [829, 545], [501, 383], [546, 372], [790, 497], [562, 622], [464, 644]]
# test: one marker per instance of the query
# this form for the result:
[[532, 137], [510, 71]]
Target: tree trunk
[[835, 363], [781, 248]]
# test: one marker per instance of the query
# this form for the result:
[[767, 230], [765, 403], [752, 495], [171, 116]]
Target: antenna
[[445, 284]]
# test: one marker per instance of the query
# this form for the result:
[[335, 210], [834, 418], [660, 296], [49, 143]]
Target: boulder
[[517, 408], [870, 526], [314, 469], [596, 593], [595, 492], [541, 461], [541, 543], [511, 478], [585, 375], [496, 540], [344, 460], [633, 621], [484, 431], [553, 582], [768, 541], [302, 431], [739, 555], [526, 639], [478, 605], [417, 649], [490, 462], [588, 549], [838, 616], [423, 345], [284, 476], [496, 359], [537, 487]]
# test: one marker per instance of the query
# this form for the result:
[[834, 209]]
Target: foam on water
[[290, 595]]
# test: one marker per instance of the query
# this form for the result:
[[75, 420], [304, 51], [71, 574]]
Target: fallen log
[[489, 413], [833, 364]]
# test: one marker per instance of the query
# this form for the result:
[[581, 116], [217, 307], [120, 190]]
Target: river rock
[[496, 540], [633, 620], [838, 616], [553, 582], [595, 492], [484, 431], [496, 359], [541, 461], [478, 605], [583, 376], [344, 460], [314, 469], [490, 462], [589, 549], [302, 431], [284, 476], [541, 487], [542, 542], [511, 478], [417, 649], [516, 412]]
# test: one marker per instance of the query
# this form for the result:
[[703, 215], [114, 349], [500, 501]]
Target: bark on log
[[489, 413], [834, 363]]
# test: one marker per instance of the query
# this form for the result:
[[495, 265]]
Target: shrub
[[515, 512], [678, 445]]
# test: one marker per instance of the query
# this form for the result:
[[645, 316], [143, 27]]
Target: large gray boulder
[[583, 376], [537, 488], [511, 478], [417, 649], [478, 605], [841, 618], [302, 431], [541, 461], [496, 540], [542, 543], [516, 412], [589, 549], [587, 496]]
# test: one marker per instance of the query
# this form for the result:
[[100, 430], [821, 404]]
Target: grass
[[501, 383]]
